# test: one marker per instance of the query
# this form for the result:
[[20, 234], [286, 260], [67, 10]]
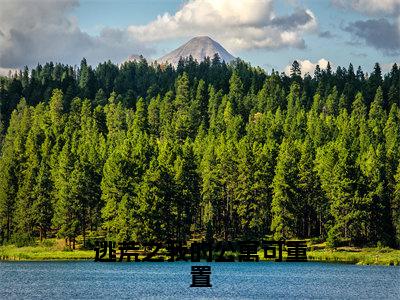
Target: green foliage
[[286, 202], [22, 240], [150, 152]]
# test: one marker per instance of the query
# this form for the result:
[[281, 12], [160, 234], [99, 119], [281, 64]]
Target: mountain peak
[[198, 47], [203, 38]]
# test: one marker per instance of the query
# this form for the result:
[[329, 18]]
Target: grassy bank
[[364, 256], [49, 250], [57, 250]]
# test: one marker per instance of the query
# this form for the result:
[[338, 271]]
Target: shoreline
[[367, 256]]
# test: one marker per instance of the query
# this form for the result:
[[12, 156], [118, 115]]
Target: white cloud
[[371, 7], [238, 25], [40, 31], [6, 71], [387, 67], [308, 66], [381, 34]]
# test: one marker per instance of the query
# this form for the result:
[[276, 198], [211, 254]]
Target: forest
[[148, 152]]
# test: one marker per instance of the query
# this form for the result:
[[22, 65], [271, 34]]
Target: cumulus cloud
[[386, 68], [371, 7], [39, 31], [7, 71], [246, 24], [307, 66], [382, 32], [378, 33]]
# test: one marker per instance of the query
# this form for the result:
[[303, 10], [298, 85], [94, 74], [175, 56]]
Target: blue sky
[[267, 33]]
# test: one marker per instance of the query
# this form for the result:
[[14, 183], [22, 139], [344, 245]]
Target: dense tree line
[[150, 152]]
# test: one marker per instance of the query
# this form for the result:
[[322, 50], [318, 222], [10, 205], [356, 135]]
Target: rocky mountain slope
[[199, 47]]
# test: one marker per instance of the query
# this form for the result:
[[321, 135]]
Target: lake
[[154, 280]]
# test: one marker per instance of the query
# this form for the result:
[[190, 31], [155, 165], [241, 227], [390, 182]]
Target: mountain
[[135, 57], [199, 47], [138, 58]]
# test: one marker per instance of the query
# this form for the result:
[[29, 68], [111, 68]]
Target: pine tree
[[10, 163], [91, 152], [140, 121], [395, 209], [153, 116], [157, 209], [314, 210], [340, 178], [87, 82], [182, 121], [295, 71], [332, 103], [100, 98], [115, 122], [42, 208], [212, 191], [122, 174], [29, 170], [392, 144], [56, 111], [200, 105], [392, 141], [235, 152], [272, 95], [65, 210], [252, 191], [377, 118], [236, 94], [285, 206], [187, 183]]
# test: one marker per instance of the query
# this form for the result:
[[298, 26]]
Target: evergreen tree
[[100, 98], [157, 209], [285, 200], [200, 105], [295, 71], [42, 208], [153, 116], [87, 81], [187, 183], [395, 209], [65, 208], [252, 191], [182, 121], [122, 174], [29, 169], [10, 163], [143, 151], [315, 209], [236, 94]]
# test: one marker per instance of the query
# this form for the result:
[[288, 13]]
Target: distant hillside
[[199, 47]]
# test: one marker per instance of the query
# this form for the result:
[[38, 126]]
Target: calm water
[[90, 280]]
